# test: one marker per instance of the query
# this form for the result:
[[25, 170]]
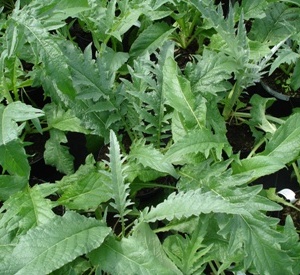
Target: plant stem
[[271, 118], [211, 265], [256, 147], [232, 99]]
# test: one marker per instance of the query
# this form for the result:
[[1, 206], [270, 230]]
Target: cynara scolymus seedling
[[165, 194]]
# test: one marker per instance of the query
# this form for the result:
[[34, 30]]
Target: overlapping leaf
[[25, 210], [55, 243], [148, 156], [140, 253], [85, 189], [177, 91], [197, 141]]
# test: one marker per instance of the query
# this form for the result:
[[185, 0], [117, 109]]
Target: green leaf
[[124, 22], [257, 166], [140, 253], [148, 156], [189, 252], [113, 60], [284, 145], [252, 8], [58, 155], [63, 120], [210, 72], [285, 55], [10, 115], [95, 104], [197, 141], [25, 210], [119, 189], [85, 189], [258, 113], [191, 203], [10, 185], [295, 81], [13, 158], [279, 23], [55, 243], [52, 15], [150, 39], [177, 90], [91, 79], [79, 266], [262, 254]]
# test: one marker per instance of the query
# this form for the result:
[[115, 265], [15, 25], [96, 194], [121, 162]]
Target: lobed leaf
[[189, 252], [197, 141], [49, 246], [148, 156], [10, 185], [284, 145], [275, 26], [25, 210], [13, 158], [57, 154], [140, 253], [86, 189], [177, 91], [191, 203], [119, 189], [10, 115], [63, 120], [257, 236]]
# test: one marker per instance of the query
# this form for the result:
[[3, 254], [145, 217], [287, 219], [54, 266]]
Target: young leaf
[[49, 246], [58, 155], [140, 253], [119, 189]]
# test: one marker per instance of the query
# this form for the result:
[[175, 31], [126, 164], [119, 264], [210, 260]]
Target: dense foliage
[[152, 85]]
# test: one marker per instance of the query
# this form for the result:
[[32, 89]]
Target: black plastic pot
[[284, 102], [280, 180], [280, 108]]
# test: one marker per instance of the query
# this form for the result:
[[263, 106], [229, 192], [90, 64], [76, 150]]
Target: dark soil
[[274, 81], [240, 138], [294, 213]]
